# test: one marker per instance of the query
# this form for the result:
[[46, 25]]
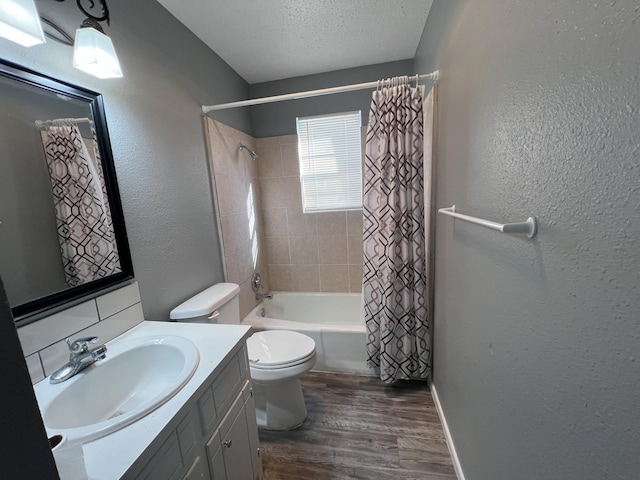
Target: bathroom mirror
[[62, 232]]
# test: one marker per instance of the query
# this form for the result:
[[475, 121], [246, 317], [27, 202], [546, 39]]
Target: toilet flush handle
[[214, 315]]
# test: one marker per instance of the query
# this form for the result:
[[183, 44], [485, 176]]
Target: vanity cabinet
[[215, 436]]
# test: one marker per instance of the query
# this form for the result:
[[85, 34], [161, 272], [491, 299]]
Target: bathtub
[[333, 320]]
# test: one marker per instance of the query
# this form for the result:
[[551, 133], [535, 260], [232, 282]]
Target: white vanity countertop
[[109, 457]]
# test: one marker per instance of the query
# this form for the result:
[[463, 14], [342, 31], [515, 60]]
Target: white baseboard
[[447, 435]]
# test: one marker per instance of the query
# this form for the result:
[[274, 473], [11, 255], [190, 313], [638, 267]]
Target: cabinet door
[[236, 449], [250, 412], [166, 463], [216, 463]]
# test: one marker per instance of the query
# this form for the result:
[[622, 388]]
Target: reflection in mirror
[[61, 228], [83, 217]]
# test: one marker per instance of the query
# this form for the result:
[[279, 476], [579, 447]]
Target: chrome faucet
[[80, 357], [256, 285]]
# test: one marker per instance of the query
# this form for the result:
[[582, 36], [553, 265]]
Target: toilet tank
[[217, 304]]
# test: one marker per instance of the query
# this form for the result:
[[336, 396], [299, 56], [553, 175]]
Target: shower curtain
[[83, 216], [395, 276]]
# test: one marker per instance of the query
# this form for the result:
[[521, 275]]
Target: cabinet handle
[[227, 443]]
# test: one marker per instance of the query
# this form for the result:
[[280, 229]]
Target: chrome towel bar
[[530, 227]]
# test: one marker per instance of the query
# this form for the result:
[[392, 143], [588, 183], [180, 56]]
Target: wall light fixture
[[19, 22], [93, 51]]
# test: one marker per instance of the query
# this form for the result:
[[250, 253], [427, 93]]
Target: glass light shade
[[94, 54], [20, 22]]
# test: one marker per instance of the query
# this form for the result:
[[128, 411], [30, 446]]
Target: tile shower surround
[[306, 252], [105, 317], [238, 200]]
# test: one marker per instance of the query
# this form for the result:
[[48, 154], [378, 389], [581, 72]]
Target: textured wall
[[435, 32], [279, 118], [537, 342], [156, 129]]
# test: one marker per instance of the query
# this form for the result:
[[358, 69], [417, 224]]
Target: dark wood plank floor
[[358, 427]]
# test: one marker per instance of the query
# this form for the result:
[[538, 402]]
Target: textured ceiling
[[266, 40]]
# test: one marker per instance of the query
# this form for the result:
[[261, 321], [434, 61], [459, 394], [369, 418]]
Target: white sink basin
[[136, 377]]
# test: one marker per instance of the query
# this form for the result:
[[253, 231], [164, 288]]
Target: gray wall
[[436, 29], [280, 118], [156, 130], [537, 342]]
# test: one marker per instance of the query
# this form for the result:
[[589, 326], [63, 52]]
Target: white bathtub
[[333, 320]]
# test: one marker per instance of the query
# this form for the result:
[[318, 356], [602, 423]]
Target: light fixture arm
[[105, 11], [91, 23]]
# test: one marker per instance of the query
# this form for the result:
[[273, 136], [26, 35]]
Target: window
[[329, 150]]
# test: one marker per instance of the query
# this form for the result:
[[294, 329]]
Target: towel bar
[[530, 227]]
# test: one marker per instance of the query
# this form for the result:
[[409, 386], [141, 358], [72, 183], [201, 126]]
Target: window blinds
[[329, 150]]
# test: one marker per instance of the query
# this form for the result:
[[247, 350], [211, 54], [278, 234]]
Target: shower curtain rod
[[59, 121], [310, 93]]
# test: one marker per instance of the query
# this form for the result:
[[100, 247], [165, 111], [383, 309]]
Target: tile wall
[[307, 252], [238, 202], [105, 317]]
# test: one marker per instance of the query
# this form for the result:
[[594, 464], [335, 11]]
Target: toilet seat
[[276, 349]]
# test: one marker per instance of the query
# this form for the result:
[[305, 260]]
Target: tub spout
[[260, 296]]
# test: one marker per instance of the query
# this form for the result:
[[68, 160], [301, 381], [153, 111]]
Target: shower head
[[254, 155]]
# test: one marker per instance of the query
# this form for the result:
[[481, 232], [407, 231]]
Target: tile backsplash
[[105, 317]]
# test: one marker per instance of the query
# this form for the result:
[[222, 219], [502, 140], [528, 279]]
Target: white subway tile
[[116, 301], [111, 327], [49, 330], [55, 356], [35, 368]]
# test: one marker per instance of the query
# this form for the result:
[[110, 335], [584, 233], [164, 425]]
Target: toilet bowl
[[277, 358]]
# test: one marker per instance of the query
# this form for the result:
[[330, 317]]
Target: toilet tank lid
[[206, 302]]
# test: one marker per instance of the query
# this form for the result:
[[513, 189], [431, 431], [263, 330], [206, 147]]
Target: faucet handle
[[80, 345]]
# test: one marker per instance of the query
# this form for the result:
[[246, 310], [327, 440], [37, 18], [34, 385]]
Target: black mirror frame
[[49, 304]]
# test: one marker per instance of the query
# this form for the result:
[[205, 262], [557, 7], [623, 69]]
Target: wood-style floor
[[358, 427]]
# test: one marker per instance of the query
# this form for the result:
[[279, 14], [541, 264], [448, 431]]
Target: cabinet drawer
[[227, 385], [215, 401], [207, 412], [188, 437], [166, 464], [244, 362]]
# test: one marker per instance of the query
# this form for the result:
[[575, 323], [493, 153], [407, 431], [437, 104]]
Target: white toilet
[[277, 358]]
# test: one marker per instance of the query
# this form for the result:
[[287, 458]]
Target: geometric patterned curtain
[[83, 215], [395, 277]]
